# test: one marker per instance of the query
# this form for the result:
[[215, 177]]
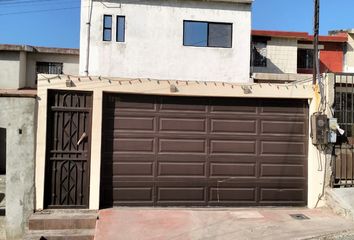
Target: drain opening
[[299, 216]]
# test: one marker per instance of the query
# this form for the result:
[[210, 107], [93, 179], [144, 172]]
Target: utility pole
[[315, 40]]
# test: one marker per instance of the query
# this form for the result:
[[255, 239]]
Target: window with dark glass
[[120, 29], [304, 58], [259, 54], [49, 67], [107, 27], [207, 34]]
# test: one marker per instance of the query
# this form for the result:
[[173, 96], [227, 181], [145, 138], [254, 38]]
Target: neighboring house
[[348, 50], [181, 40], [19, 66], [292, 52]]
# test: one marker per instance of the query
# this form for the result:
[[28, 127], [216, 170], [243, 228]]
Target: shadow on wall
[[2, 151], [270, 68]]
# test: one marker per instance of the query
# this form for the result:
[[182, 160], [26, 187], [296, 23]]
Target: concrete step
[[67, 234], [62, 221]]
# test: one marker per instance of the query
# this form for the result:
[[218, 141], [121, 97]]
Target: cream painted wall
[[154, 41], [9, 70], [144, 86], [349, 55], [281, 55], [18, 68], [70, 64]]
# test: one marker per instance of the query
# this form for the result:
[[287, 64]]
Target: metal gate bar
[[343, 167]]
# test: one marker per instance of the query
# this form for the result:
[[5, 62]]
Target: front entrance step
[[62, 220], [67, 234], [62, 224]]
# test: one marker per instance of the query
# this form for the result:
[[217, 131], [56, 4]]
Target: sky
[[56, 23]]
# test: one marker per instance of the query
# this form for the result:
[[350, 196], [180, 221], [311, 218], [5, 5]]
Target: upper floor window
[[107, 27], [207, 34], [259, 53], [304, 58], [120, 29], [49, 67]]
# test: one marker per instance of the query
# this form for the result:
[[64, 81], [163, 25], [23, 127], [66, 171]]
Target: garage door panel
[[284, 107], [276, 195], [232, 195], [283, 148], [179, 194], [234, 147], [133, 145], [186, 157], [282, 160], [133, 169], [135, 124], [133, 193], [182, 146], [180, 105], [282, 170], [191, 125], [128, 157], [186, 151], [228, 126], [232, 169], [233, 106], [287, 128], [181, 169], [131, 103]]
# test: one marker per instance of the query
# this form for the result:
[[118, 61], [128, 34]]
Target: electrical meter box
[[319, 129]]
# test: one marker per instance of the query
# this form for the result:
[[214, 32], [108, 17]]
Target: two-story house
[[165, 114], [283, 55]]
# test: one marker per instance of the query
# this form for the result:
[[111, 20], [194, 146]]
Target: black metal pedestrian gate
[[68, 149], [343, 165]]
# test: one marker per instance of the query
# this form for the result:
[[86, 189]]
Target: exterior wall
[[100, 85], [154, 41], [70, 65], [20, 126], [9, 70], [349, 55], [22, 70], [281, 56], [332, 58]]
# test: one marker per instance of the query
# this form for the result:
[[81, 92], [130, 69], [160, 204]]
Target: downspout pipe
[[88, 25]]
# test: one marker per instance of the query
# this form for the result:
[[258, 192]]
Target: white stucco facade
[[153, 46], [10, 69], [349, 54]]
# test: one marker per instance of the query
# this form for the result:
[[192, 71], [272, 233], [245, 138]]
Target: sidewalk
[[218, 224]]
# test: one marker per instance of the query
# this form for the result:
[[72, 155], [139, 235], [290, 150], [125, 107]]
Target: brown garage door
[[184, 151]]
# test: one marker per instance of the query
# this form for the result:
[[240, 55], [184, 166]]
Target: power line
[[37, 11], [31, 2]]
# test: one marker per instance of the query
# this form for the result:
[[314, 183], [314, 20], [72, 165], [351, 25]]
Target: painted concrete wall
[[98, 86], [332, 57], [9, 70], [281, 56], [349, 55], [70, 65], [20, 162], [18, 68], [154, 41]]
